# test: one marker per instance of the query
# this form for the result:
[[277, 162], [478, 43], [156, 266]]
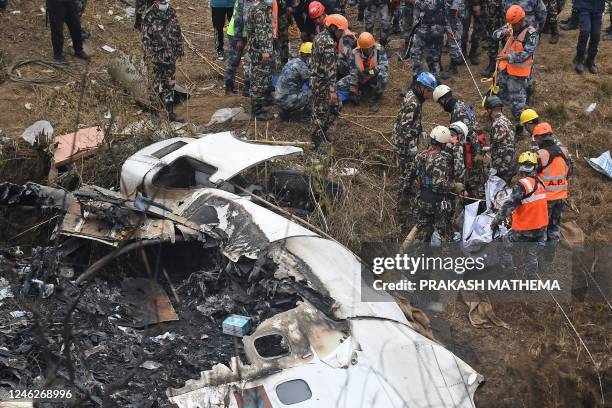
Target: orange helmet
[[315, 10], [515, 14], [337, 20], [542, 129], [365, 40]]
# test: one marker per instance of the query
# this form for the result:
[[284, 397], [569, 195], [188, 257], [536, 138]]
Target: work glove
[[459, 188]]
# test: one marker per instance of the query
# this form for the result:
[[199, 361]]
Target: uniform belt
[[428, 195]]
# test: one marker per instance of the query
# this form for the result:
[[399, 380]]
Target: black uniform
[[60, 12]]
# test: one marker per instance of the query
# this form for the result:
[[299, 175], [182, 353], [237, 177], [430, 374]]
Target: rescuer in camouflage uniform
[[408, 128], [513, 89], [382, 10], [473, 14], [365, 80], [503, 140], [281, 43], [552, 25], [323, 77], [432, 17], [456, 13], [162, 44], [434, 169], [406, 22], [491, 13], [345, 53], [459, 111], [292, 93], [236, 37], [260, 43]]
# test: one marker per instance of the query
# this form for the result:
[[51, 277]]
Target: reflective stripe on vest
[[275, 18], [515, 44], [359, 61], [554, 174], [532, 213]]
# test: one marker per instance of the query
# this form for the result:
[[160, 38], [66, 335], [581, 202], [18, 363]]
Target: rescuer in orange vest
[[369, 72], [515, 62], [528, 205], [554, 168]]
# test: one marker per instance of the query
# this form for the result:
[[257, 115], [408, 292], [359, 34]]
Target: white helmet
[[459, 127], [440, 91], [441, 134]]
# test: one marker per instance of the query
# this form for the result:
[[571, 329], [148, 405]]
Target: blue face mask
[[163, 6]]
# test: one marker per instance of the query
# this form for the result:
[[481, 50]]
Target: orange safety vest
[[275, 18], [359, 62], [532, 213], [554, 174], [515, 44]]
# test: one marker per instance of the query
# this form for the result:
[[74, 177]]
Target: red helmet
[[315, 10], [515, 14]]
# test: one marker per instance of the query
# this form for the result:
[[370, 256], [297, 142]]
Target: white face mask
[[163, 6]]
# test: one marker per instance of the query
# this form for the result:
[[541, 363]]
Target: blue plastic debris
[[237, 325], [343, 95]]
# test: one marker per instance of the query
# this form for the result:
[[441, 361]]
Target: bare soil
[[539, 360]]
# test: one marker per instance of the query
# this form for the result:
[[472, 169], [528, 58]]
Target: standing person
[[369, 72], [434, 169], [503, 140], [432, 20], [472, 15], [60, 12], [292, 92], [323, 76], [491, 19], [162, 44], [527, 204], [259, 32], [590, 13], [516, 60], [408, 127], [221, 11], [554, 168], [382, 10], [236, 37], [456, 13], [283, 22], [551, 20]]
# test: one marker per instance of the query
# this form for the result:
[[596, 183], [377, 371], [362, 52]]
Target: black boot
[[571, 23], [246, 88], [173, 117], [452, 70], [580, 65], [554, 34], [488, 71], [229, 88], [474, 56], [590, 63]]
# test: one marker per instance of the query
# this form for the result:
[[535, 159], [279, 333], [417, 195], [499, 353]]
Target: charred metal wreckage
[[326, 347]]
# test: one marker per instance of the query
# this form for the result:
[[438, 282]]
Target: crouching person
[[369, 72], [292, 93], [528, 206]]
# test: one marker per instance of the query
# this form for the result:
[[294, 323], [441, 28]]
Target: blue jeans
[[590, 30]]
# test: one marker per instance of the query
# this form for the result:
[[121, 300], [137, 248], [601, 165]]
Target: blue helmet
[[427, 80]]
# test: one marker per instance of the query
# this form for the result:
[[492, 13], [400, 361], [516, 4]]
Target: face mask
[[163, 6]]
